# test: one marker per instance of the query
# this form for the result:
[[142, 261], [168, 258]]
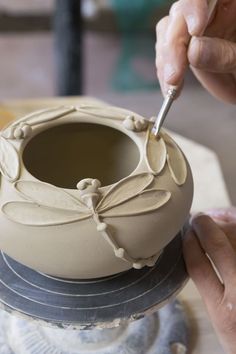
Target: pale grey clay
[[87, 191]]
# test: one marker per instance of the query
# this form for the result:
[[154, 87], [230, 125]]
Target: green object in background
[[133, 18]]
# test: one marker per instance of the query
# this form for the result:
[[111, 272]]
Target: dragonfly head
[[135, 124], [89, 191]]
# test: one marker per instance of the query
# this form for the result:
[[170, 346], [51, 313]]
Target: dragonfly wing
[[147, 201], [125, 190], [46, 115], [47, 195], [9, 160], [31, 214], [176, 161], [155, 153]]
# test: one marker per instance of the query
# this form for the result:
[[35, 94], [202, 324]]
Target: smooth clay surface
[[87, 191]]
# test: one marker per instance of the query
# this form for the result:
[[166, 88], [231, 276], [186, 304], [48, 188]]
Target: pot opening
[[65, 154]]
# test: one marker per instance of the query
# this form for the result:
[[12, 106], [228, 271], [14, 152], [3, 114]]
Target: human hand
[[204, 245], [212, 57]]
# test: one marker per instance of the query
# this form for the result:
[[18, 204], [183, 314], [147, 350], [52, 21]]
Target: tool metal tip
[[154, 131]]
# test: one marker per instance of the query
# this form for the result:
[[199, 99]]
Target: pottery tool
[[171, 94]]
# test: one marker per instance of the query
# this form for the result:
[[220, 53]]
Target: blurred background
[[105, 48]]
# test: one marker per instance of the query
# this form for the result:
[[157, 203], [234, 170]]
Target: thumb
[[212, 54]]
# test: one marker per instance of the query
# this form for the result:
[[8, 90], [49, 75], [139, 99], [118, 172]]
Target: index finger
[[175, 46]]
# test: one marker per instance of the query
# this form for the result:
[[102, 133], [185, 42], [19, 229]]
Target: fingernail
[[194, 217], [195, 42], [224, 214], [192, 24], [215, 213], [169, 72]]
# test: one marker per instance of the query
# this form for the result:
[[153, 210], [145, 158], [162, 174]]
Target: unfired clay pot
[[87, 191]]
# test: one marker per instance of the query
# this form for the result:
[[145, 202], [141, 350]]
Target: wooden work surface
[[210, 191]]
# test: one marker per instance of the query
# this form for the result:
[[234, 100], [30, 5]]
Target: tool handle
[[164, 109]]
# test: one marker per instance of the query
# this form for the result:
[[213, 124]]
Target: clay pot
[[88, 192]]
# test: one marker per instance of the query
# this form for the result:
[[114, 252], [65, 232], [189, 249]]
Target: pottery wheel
[[104, 302]]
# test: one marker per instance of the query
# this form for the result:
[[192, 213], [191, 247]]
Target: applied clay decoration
[[92, 230], [155, 161]]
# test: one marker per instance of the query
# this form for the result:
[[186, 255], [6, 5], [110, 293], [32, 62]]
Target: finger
[[224, 20], [201, 271], [161, 30], [216, 244], [186, 18], [221, 86], [225, 218], [175, 47], [212, 54], [196, 14], [230, 231]]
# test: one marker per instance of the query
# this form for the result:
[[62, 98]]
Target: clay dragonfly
[[47, 205]]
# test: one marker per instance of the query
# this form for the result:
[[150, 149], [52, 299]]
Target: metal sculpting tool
[[171, 94], [164, 109]]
